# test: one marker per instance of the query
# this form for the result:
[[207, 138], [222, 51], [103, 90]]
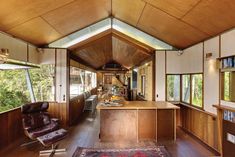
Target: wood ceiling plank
[[145, 48], [15, 12], [128, 10], [36, 31], [127, 55], [177, 8], [212, 16], [97, 53], [77, 15], [82, 44], [168, 28]]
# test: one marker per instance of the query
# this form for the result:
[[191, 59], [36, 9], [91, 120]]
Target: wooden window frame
[[167, 85]]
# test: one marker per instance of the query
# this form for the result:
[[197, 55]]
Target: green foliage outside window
[[197, 90], [186, 88], [173, 87], [227, 84], [13, 89], [43, 82]]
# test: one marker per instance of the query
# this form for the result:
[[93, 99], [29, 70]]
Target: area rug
[[157, 151]]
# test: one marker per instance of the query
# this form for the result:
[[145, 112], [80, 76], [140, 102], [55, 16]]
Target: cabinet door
[[17, 48]]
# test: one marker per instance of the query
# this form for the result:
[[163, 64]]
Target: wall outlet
[[231, 138]]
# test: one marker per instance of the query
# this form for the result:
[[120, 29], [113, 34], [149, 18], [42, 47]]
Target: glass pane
[[77, 77], [13, 89], [93, 80], [186, 88], [88, 76], [197, 90], [173, 87], [43, 82], [228, 86]]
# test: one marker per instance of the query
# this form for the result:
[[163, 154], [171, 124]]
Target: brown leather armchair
[[36, 120], [39, 126]]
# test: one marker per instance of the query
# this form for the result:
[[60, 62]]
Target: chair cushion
[[52, 137], [34, 133]]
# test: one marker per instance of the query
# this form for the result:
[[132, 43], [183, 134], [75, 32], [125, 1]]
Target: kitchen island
[[138, 120]]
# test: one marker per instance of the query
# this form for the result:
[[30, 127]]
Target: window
[[77, 77], [197, 90], [173, 87], [81, 81], [227, 86], [143, 85], [13, 89], [43, 82], [186, 88], [88, 78]]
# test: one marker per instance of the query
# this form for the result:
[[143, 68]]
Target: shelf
[[227, 69], [220, 58], [222, 107]]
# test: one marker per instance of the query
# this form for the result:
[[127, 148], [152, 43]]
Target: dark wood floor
[[86, 134]]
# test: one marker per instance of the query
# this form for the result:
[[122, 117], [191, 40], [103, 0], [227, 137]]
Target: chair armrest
[[27, 129], [55, 120]]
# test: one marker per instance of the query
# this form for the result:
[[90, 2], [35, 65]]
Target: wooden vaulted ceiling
[[180, 23], [112, 46]]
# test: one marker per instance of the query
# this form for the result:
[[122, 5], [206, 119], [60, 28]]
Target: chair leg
[[52, 151], [28, 143]]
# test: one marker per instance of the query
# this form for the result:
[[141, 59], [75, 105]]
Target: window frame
[[191, 103], [179, 87], [190, 90]]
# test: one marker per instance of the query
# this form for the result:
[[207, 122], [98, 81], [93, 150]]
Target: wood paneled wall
[[75, 109], [201, 124], [76, 106], [59, 110], [11, 127]]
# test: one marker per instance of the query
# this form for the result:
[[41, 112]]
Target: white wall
[[160, 76], [191, 61], [18, 49], [211, 75]]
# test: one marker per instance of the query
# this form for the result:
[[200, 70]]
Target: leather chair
[[36, 120], [39, 126]]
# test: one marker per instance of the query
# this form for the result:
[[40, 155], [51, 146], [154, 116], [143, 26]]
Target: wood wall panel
[[200, 124], [59, 110], [146, 124], [165, 124], [76, 106], [11, 127], [118, 125]]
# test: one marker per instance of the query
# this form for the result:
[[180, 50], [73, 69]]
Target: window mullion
[[29, 85]]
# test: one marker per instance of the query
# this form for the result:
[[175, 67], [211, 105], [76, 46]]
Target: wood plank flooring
[[86, 134]]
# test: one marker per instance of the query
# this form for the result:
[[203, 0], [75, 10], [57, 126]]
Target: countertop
[[144, 105]]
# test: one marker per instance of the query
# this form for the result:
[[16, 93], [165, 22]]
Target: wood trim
[[203, 73], [219, 70], [55, 80], [154, 77]]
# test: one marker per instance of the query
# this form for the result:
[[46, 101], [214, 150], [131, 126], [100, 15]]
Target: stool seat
[[52, 137]]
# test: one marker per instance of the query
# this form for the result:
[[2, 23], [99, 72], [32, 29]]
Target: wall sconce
[[4, 53], [208, 56]]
